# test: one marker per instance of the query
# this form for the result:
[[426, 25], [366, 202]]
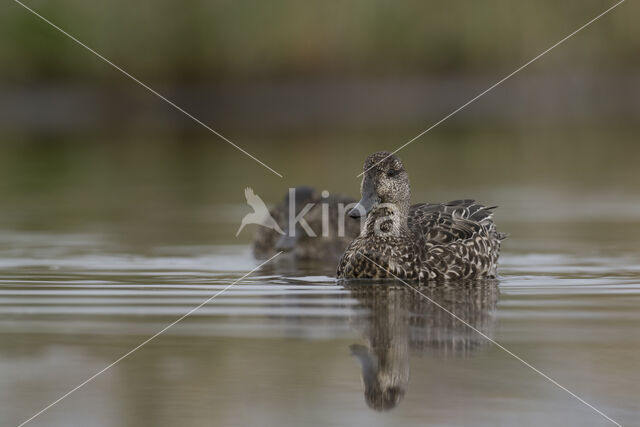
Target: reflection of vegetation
[[192, 188], [205, 39], [402, 320]]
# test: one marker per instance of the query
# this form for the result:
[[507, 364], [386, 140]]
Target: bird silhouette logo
[[260, 214]]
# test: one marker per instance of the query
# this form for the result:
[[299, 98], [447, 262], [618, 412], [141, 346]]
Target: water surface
[[95, 259]]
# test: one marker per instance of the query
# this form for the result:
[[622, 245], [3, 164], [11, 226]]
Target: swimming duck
[[444, 241], [325, 218]]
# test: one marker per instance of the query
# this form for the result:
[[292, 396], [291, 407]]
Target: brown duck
[[445, 241]]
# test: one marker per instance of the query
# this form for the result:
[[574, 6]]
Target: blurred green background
[[176, 42], [311, 88]]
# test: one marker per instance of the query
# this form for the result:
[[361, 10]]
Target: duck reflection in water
[[401, 321]]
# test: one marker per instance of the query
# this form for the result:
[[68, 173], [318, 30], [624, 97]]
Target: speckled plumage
[[444, 241]]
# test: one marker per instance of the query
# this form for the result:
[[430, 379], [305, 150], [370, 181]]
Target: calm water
[[101, 247]]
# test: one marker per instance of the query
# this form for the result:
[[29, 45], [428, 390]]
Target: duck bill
[[364, 206]]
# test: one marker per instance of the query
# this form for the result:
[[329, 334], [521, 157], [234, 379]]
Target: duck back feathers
[[451, 221]]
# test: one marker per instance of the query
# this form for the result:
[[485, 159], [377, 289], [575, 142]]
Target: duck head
[[384, 181]]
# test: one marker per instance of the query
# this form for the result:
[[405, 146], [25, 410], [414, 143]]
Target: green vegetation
[[203, 40]]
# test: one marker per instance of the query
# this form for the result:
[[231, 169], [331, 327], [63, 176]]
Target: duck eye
[[392, 172]]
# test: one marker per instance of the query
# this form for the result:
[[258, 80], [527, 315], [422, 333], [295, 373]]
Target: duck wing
[[442, 223], [461, 238]]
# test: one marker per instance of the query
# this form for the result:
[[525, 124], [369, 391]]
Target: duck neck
[[388, 219]]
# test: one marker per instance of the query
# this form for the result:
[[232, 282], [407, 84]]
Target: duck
[[455, 240], [322, 232]]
